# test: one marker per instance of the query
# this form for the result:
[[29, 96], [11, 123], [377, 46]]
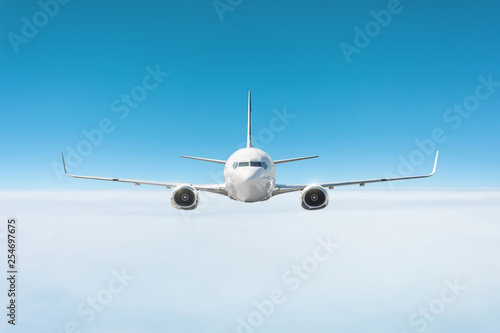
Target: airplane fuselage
[[249, 175]]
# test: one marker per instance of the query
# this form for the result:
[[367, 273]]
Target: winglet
[[249, 134], [64, 163], [435, 163]]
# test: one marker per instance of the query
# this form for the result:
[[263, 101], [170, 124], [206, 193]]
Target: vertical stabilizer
[[249, 137]]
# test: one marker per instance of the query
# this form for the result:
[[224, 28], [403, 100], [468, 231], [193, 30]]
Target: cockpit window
[[251, 164]]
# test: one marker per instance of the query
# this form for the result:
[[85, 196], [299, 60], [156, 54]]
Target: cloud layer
[[128, 262]]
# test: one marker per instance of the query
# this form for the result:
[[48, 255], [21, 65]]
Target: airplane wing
[[205, 159], [294, 159], [214, 188], [283, 188]]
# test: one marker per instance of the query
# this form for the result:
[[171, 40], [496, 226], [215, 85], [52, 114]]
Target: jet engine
[[314, 197], [184, 197]]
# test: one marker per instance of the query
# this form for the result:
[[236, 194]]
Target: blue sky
[[362, 117]]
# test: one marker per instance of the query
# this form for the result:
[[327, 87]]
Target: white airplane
[[249, 176]]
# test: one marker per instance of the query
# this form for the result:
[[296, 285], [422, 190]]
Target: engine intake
[[314, 197], [184, 197]]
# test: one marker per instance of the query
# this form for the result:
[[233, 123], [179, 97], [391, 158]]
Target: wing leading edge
[[214, 188], [283, 188], [204, 159], [294, 159]]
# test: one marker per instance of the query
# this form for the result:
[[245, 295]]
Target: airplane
[[250, 176]]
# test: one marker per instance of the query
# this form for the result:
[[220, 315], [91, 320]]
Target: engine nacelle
[[314, 197], [184, 197]]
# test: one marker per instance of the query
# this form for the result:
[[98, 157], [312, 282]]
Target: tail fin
[[249, 135]]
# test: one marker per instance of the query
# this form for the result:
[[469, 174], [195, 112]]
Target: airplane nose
[[250, 174], [251, 185]]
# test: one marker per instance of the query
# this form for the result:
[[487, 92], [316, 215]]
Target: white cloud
[[200, 274]]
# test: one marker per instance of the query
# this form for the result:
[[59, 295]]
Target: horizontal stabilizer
[[294, 159], [205, 159]]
